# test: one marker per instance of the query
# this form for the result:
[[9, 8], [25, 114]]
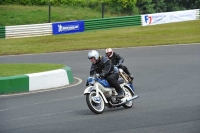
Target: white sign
[[168, 17], [67, 28]]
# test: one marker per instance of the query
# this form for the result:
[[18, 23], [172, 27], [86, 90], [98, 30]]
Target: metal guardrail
[[2, 31], [198, 13], [104, 23], [28, 30]]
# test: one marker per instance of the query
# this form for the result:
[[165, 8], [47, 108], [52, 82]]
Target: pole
[[156, 6], [102, 9], [49, 12]]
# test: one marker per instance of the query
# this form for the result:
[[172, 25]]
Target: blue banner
[[67, 27]]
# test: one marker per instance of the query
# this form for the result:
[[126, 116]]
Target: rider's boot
[[131, 76]]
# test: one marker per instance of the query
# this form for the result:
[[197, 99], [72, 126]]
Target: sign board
[[168, 17], [67, 27]]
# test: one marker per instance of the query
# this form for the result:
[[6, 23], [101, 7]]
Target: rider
[[117, 60], [103, 66]]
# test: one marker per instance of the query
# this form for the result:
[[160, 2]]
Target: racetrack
[[167, 79]]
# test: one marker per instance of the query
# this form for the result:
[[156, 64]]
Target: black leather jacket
[[103, 66], [116, 59]]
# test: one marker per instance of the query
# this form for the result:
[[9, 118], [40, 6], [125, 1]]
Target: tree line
[[117, 6]]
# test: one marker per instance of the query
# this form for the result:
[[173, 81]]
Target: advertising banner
[[168, 17], [67, 27]]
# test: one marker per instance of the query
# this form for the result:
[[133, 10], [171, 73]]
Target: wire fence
[[55, 12]]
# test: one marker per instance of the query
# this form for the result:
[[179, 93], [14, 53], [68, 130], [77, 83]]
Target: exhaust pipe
[[132, 98]]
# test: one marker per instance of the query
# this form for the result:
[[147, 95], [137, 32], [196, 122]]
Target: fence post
[[102, 9], [156, 6], [49, 20]]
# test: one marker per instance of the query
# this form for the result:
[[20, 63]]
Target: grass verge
[[20, 15], [165, 34], [18, 69]]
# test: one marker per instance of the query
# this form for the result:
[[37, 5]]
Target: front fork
[[99, 92]]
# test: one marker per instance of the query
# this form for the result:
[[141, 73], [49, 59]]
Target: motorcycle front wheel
[[96, 108], [128, 95]]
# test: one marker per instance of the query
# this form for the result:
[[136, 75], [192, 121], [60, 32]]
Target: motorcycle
[[99, 94]]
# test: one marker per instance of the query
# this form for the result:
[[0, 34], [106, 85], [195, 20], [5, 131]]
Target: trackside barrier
[[28, 30], [104, 23], [198, 14], [32, 30], [2, 31], [36, 81]]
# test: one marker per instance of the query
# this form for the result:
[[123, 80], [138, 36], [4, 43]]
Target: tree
[[145, 6]]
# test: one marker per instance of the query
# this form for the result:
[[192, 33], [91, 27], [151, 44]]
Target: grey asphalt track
[[167, 79]]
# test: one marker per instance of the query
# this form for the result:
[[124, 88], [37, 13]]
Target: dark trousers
[[125, 69], [113, 81]]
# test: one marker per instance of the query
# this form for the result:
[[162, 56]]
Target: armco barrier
[[198, 14], [32, 30], [104, 23], [36, 81], [2, 31]]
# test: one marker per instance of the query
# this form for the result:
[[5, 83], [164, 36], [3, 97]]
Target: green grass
[[166, 34], [20, 15], [18, 69]]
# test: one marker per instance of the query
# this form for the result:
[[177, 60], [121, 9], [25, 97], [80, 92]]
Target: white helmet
[[93, 53], [109, 52]]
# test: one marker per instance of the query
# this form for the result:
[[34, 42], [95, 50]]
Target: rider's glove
[[120, 63], [102, 75], [97, 75]]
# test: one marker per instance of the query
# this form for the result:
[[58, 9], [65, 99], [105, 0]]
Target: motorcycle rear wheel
[[96, 108]]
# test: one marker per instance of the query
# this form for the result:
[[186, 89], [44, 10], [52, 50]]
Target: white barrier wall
[[32, 30], [169, 17], [48, 80]]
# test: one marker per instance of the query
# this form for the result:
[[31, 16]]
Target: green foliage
[[160, 6], [127, 7], [146, 6], [123, 6]]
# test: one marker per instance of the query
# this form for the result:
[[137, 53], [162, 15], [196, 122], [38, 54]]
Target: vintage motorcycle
[[99, 94]]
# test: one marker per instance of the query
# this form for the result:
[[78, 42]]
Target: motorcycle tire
[[96, 108]]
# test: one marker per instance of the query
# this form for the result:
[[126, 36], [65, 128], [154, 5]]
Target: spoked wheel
[[95, 104], [128, 94]]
